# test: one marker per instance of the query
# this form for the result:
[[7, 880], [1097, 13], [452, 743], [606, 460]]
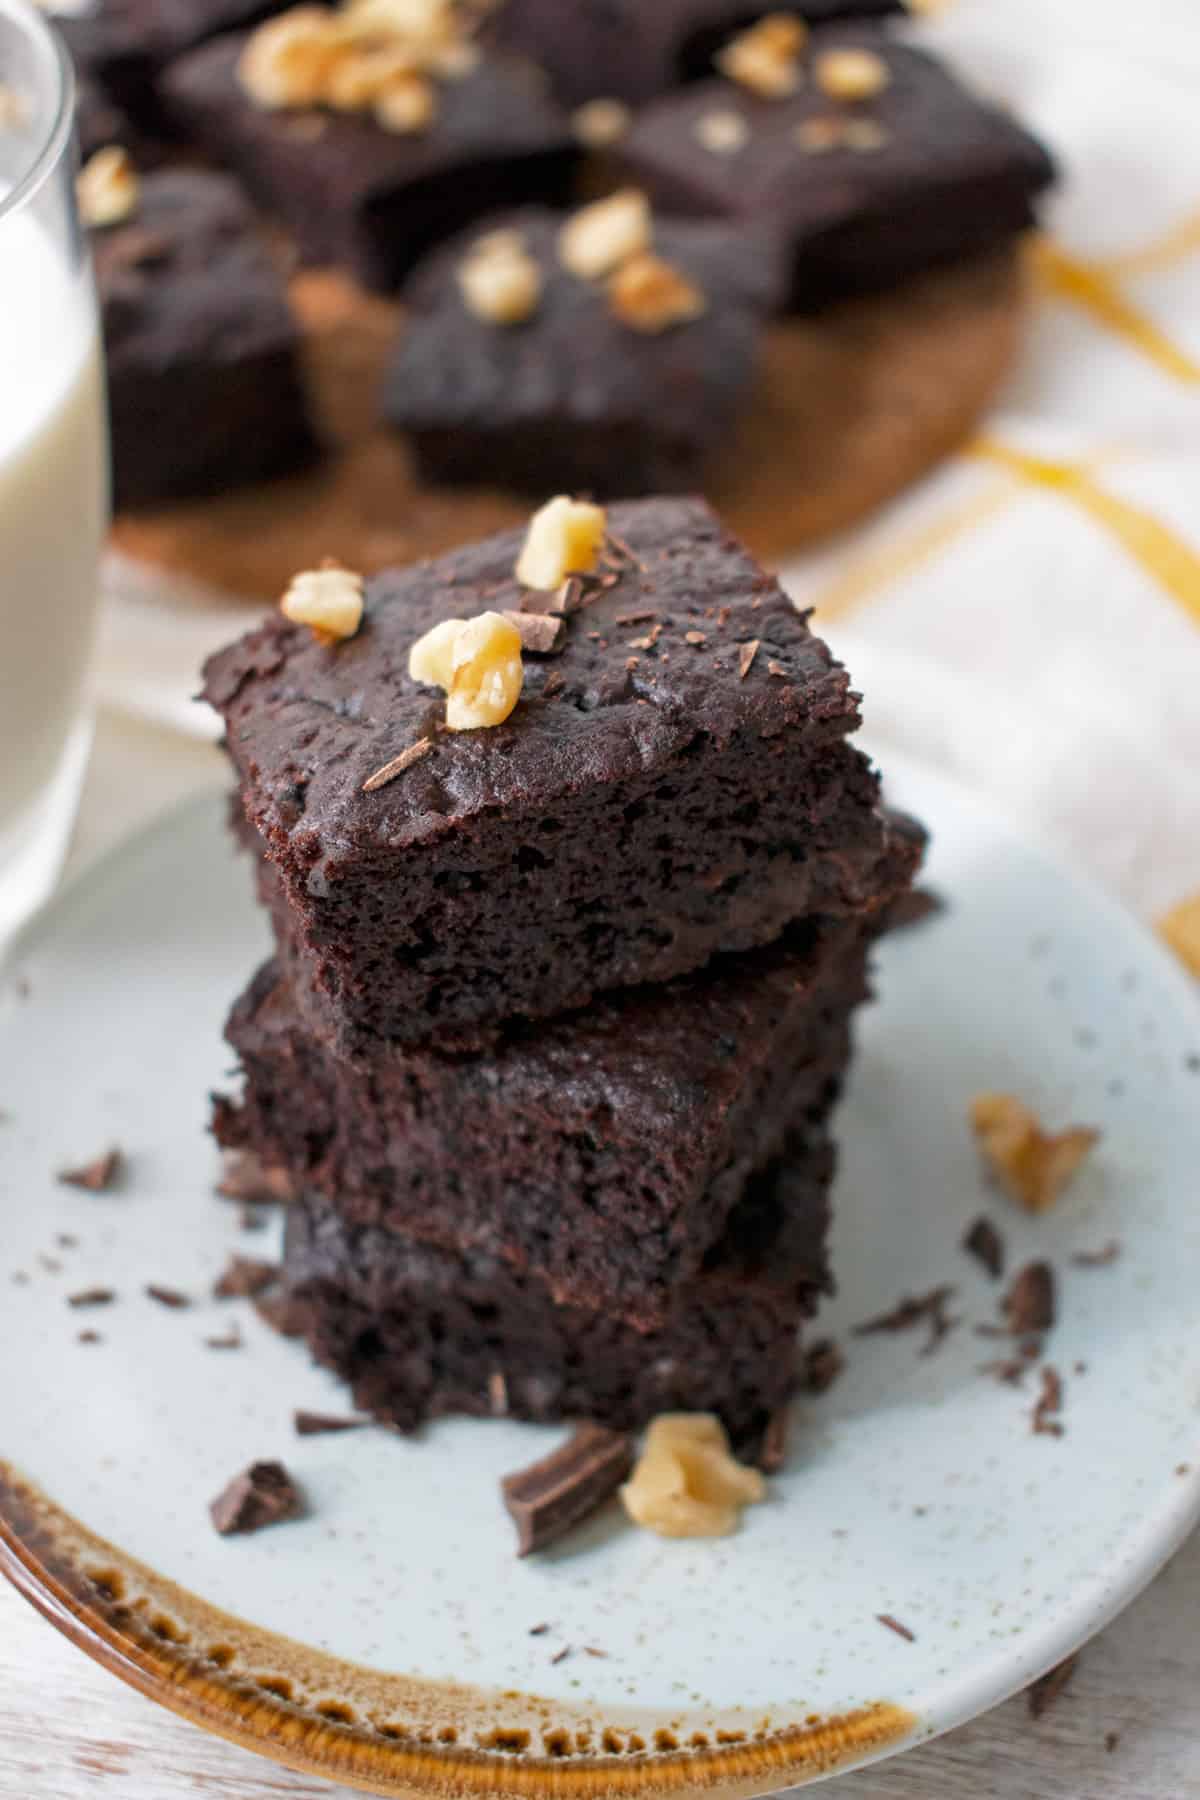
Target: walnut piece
[[406, 105], [599, 124], [687, 1482], [819, 135], [107, 188], [500, 282], [1031, 1165], [330, 600], [478, 663], [722, 132], [766, 58], [851, 74], [564, 538], [600, 237], [1180, 929], [651, 295], [362, 76], [288, 60]]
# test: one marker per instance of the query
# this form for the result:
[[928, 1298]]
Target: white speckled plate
[[386, 1639]]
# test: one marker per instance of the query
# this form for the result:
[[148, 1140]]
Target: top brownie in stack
[[675, 782]]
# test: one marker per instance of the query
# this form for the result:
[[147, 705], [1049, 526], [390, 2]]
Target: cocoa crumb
[[243, 1277], [166, 1296], [230, 1340], [985, 1244], [1030, 1303], [913, 1310], [1111, 1740], [1097, 1259], [97, 1176], [893, 1624], [1049, 1404], [94, 1296], [88, 1337]]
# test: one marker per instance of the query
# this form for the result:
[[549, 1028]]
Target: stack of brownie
[[559, 1011]]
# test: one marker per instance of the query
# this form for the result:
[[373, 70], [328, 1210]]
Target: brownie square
[[574, 398], [606, 1150], [418, 1332], [924, 172], [374, 200], [628, 50], [675, 783], [202, 351]]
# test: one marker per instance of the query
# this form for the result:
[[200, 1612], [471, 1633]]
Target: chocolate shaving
[[1097, 1259], [97, 1176], [1045, 1421], [613, 542], [985, 1244], [820, 1366], [541, 634], [915, 1309], [94, 1296], [282, 1312], [695, 637], [539, 1630], [553, 684], [913, 907], [648, 642], [166, 1296], [777, 668], [397, 766], [314, 1424], [643, 617], [560, 1655], [1046, 1689], [243, 1277], [554, 1494], [893, 1624], [746, 655], [246, 1179], [773, 1453], [1011, 1369], [89, 1337], [230, 1340], [264, 1494], [1029, 1304]]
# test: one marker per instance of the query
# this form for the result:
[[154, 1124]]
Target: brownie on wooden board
[[574, 397], [204, 381], [675, 783], [371, 199], [630, 50], [922, 172], [607, 1149], [419, 1332]]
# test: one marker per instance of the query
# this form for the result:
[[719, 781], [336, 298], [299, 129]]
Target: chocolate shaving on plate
[[984, 1243], [89, 1337], [915, 1309], [1046, 1689], [94, 1296], [230, 1340], [1097, 1259], [1030, 1303], [97, 1176], [550, 1496], [166, 1296], [243, 1277], [314, 1424], [398, 764], [893, 1624], [1049, 1405], [541, 634], [264, 1494]]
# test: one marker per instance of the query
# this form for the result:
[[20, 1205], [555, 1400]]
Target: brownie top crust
[[654, 666], [931, 133]]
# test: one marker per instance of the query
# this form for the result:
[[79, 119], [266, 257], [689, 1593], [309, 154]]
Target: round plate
[[390, 1638]]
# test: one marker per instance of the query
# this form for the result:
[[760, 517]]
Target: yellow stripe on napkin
[[1180, 929], [1097, 290]]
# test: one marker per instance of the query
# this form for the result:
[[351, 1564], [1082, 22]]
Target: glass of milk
[[53, 463]]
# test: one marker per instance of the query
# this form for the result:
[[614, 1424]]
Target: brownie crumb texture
[[262, 1495]]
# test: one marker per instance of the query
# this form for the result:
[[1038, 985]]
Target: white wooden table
[[69, 1731]]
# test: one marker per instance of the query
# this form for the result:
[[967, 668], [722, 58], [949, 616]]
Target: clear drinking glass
[[53, 463]]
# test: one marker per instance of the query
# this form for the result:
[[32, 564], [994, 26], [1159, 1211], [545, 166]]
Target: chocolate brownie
[[605, 1149], [114, 76], [203, 353], [376, 200], [418, 1332], [675, 783], [574, 397], [865, 192], [628, 50]]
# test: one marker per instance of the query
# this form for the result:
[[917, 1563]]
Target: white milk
[[53, 501]]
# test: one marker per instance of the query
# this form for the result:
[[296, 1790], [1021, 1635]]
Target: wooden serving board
[[850, 407]]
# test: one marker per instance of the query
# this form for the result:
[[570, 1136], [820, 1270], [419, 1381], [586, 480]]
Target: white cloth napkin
[[1029, 616]]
